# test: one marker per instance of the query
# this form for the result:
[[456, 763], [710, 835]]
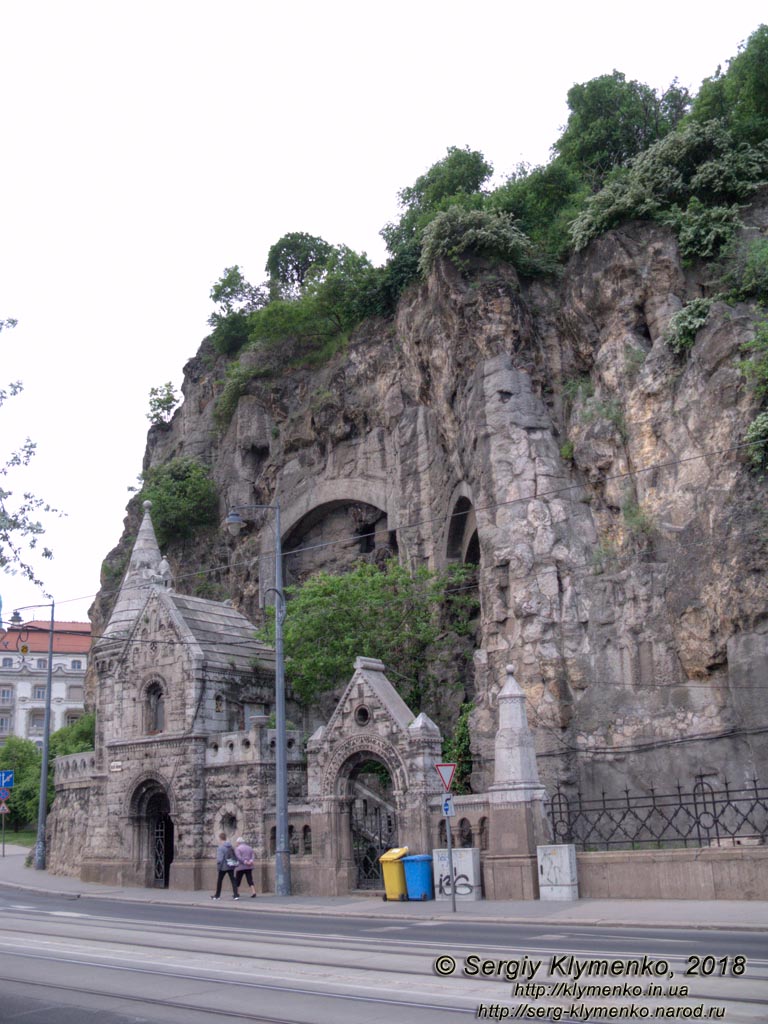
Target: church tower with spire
[[180, 680]]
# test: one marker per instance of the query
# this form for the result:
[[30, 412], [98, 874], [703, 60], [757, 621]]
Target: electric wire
[[356, 537]]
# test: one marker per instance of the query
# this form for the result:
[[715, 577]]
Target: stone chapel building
[[183, 750]]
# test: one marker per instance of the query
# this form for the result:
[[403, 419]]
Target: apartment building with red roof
[[24, 676]]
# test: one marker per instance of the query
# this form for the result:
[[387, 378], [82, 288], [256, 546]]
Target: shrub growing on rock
[[685, 325], [183, 497]]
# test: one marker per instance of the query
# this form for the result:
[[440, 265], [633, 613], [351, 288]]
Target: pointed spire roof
[[143, 573]]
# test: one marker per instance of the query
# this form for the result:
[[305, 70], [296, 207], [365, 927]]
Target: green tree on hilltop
[[739, 97], [457, 179], [236, 299], [294, 260], [612, 120]]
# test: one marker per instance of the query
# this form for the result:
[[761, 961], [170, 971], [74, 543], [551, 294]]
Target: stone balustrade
[[251, 746], [74, 767]]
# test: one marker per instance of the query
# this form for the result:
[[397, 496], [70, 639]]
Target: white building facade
[[24, 677]]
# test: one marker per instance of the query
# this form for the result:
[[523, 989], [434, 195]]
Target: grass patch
[[27, 839]]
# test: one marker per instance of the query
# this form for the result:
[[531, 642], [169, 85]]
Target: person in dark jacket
[[226, 862], [244, 854]]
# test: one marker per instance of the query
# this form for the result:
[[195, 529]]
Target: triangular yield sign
[[445, 771]]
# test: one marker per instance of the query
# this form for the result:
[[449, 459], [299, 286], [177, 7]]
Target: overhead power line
[[357, 536]]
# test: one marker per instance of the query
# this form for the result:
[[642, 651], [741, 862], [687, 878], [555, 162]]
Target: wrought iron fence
[[702, 816]]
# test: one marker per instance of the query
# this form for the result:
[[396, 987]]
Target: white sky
[[148, 145]]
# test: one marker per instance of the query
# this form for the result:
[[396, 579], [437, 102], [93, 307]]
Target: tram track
[[357, 973], [285, 940], [375, 973], [209, 978]]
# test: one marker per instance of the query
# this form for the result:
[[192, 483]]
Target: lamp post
[[42, 808], [235, 524]]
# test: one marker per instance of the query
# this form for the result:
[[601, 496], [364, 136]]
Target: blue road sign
[[6, 777], [4, 793]]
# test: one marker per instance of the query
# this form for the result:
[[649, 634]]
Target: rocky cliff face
[[548, 432]]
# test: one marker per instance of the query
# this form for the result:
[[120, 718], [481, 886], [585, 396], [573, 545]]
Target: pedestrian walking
[[226, 862], [244, 854]]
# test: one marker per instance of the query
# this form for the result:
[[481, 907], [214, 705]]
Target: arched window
[[442, 837], [272, 841], [229, 824], [155, 708], [465, 834], [307, 839], [293, 840]]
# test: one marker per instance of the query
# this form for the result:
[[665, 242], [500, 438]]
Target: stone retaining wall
[[696, 874]]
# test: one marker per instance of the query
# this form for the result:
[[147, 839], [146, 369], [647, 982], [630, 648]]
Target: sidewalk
[[737, 915]]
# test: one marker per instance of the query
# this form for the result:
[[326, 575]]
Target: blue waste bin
[[418, 877]]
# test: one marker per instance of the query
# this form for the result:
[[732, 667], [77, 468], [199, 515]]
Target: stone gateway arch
[[371, 724]]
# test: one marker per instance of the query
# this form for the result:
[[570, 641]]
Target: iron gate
[[373, 832], [160, 829], [158, 852]]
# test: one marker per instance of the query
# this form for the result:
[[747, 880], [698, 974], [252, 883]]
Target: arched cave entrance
[[333, 536], [462, 544], [463, 548], [154, 833]]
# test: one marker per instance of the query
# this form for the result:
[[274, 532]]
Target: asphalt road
[[65, 960]]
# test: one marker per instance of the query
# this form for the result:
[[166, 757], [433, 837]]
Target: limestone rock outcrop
[[547, 432]]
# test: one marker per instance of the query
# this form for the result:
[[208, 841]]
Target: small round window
[[362, 715]]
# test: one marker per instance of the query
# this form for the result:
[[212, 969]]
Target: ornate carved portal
[[371, 776]]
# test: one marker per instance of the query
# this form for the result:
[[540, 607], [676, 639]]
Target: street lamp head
[[16, 618], [234, 522]]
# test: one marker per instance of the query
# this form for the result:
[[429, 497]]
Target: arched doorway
[[372, 818], [366, 785], [154, 833]]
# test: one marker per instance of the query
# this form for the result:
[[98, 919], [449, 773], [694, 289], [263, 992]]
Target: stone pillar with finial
[[517, 802]]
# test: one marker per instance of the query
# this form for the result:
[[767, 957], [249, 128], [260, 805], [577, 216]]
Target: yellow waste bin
[[394, 873]]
